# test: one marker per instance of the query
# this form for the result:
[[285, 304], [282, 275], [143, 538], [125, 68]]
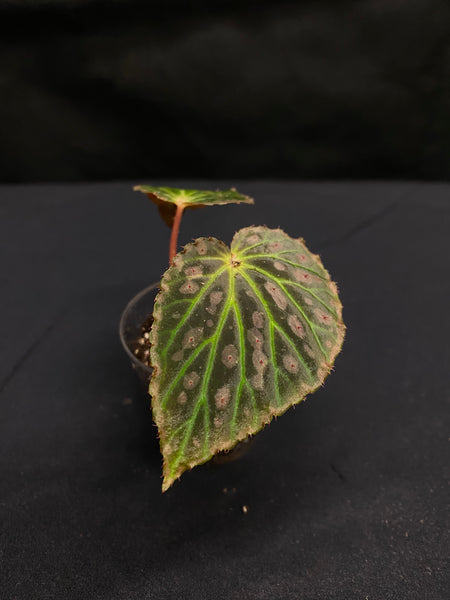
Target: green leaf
[[167, 199], [239, 336]]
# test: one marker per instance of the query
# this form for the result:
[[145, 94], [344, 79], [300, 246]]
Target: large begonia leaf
[[167, 199], [239, 336]]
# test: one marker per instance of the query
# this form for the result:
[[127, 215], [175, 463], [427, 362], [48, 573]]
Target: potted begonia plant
[[237, 334]]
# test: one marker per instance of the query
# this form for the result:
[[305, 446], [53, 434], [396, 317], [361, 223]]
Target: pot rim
[[123, 317]]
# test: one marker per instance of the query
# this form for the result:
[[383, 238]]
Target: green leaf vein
[[188, 313]]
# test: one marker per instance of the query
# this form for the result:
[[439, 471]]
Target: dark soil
[[142, 349]]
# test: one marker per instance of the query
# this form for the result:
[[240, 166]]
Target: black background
[[347, 494], [93, 89]]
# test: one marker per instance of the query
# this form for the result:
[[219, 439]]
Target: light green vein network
[[227, 357]]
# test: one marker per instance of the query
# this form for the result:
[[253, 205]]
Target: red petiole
[[175, 230]]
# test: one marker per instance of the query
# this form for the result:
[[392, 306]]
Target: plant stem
[[175, 231]]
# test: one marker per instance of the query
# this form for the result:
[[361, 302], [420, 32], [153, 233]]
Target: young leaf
[[239, 336], [167, 199]]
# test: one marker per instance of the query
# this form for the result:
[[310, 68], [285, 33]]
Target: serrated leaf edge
[[292, 400]]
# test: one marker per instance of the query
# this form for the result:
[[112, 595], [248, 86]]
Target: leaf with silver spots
[[240, 334]]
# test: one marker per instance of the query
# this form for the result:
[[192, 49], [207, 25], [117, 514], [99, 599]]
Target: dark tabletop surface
[[347, 495]]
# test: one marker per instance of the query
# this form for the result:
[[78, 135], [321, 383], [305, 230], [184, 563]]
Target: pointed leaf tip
[[239, 336]]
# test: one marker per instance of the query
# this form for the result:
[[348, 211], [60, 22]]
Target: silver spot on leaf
[[258, 381], [230, 356], [302, 276], [192, 337], [215, 297], [194, 271], [296, 326], [277, 295], [323, 317], [190, 380], [182, 398], [290, 363], [201, 247], [309, 351], [190, 287], [255, 338], [259, 360], [258, 319], [222, 396], [253, 239], [177, 262], [275, 246]]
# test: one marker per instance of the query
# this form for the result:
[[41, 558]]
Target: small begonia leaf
[[167, 199], [239, 336]]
